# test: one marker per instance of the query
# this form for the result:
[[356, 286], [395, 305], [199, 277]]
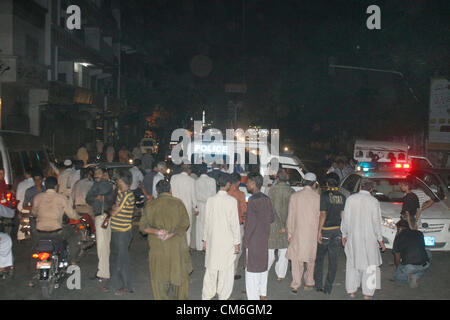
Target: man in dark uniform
[[332, 204]]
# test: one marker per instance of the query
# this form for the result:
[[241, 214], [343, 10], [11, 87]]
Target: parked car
[[434, 222]]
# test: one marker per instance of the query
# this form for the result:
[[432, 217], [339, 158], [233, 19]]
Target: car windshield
[[388, 189]]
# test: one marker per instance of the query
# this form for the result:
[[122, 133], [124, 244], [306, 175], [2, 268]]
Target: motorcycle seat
[[52, 245]]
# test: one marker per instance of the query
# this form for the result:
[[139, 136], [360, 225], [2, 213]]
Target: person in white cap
[[63, 177], [302, 227]]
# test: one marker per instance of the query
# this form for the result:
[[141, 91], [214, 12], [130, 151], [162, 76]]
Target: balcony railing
[[80, 50]]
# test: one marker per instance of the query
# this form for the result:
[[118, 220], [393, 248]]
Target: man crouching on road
[[411, 258]]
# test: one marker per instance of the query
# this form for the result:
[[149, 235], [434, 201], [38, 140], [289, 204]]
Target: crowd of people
[[204, 211]]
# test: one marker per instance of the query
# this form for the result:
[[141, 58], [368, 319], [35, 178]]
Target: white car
[[294, 169], [148, 144], [434, 222]]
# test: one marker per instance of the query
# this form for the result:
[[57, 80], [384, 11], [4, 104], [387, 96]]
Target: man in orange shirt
[[242, 210]]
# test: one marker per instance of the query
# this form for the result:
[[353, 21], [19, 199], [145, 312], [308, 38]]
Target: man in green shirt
[[166, 221]]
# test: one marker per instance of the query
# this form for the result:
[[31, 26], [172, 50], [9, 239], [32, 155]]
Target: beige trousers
[[218, 281], [103, 240], [297, 273]]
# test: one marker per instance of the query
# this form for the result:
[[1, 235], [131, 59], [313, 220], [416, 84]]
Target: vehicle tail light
[[41, 256], [398, 165], [81, 226], [8, 196], [406, 166]]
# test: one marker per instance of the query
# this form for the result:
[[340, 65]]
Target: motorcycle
[[85, 227], [52, 256], [139, 204]]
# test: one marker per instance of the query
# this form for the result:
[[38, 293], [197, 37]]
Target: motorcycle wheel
[[47, 288]]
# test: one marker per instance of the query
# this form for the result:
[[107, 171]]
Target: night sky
[[281, 53]]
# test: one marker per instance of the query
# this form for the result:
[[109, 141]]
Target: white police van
[[293, 165]]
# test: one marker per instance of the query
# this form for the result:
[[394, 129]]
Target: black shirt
[[410, 204], [411, 246], [333, 202]]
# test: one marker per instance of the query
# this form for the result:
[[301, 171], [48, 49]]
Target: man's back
[[361, 225], [49, 208], [411, 246], [221, 230], [205, 187], [147, 161], [80, 190], [333, 203], [183, 187], [62, 181], [170, 259]]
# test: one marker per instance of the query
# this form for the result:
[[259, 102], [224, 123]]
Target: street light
[[332, 65]]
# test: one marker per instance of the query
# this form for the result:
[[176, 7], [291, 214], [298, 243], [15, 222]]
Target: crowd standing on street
[[205, 211]]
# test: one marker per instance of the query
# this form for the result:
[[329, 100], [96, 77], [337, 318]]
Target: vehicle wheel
[[47, 289]]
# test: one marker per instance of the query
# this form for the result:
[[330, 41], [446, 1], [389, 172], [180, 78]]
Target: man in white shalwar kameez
[[6, 257], [362, 239], [183, 188], [205, 187], [221, 236]]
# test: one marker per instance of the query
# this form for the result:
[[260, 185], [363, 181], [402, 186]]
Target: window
[[388, 190], [294, 176], [350, 183], [434, 184], [420, 163], [17, 164]]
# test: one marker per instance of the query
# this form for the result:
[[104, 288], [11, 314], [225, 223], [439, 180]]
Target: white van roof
[[381, 145]]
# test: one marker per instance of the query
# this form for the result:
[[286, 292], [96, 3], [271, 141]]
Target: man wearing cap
[[362, 240], [411, 258], [332, 204], [63, 178], [302, 228]]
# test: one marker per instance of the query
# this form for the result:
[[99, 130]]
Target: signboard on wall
[[439, 119]]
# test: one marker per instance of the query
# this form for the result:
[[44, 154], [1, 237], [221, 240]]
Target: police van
[[254, 152], [387, 170]]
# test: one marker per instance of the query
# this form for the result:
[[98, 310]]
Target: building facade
[[61, 84]]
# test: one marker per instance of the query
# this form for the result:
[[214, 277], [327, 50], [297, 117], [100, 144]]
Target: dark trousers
[[331, 240], [120, 261]]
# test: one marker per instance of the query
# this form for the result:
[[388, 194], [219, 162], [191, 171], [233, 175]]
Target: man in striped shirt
[[121, 234]]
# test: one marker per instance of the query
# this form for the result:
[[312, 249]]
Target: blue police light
[[366, 166]]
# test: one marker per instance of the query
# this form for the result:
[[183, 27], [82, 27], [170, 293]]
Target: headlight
[[389, 223]]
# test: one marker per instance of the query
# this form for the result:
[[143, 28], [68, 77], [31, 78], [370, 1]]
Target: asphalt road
[[434, 285]]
